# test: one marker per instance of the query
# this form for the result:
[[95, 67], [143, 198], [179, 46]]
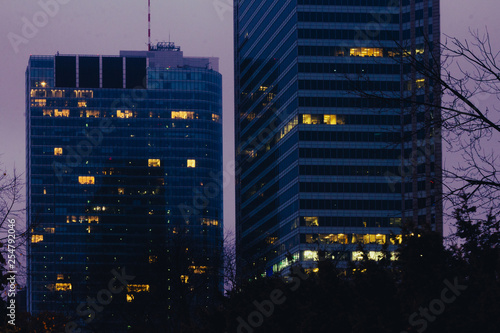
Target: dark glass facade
[[124, 167], [319, 165]]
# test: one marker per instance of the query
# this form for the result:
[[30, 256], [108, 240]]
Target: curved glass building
[[124, 174]]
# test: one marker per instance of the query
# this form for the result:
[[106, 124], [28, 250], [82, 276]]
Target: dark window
[[136, 73], [112, 72], [88, 72], [65, 72]]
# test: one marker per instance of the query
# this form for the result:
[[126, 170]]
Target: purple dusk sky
[[200, 27]]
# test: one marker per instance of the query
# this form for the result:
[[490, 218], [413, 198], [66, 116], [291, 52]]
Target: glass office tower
[[124, 167], [319, 165]]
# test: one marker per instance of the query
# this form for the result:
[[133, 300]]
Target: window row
[[349, 68], [346, 102], [61, 93], [323, 187], [341, 17], [392, 137], [347, 170], [359, 3], [378, 154], [390, 35], [347, 221], [350, 85], [351, 239], [326, 204], [340, 51], [123, 114]]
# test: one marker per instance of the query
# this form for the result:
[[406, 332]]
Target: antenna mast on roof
[[149, 25]]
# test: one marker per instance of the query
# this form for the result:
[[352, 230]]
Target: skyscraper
[[320, 165], [124, 161]]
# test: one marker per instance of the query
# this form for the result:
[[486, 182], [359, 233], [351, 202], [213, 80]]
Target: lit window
[[58, 151], [215, 117], [191, 163], [137, 288], [371, 255], [367, 239], [207, 221], [39, 102], [271, 240], [50, 230], [373, 239], [184, 278], [314, 119], [92, 114], [62, 113], [121, 190], [86, 180], [154, 162], [420, 83], [48, 113], [310, 239], [330, 119], [130, 298], [341, 238], [63, 286], [44, 190], [262, 88], [357, 255], [124, 114], [182, 115], [84, 94], [339, 52], [60, 277], [152, 259], [311, 221], [38, 93], [36, 239], [366, 52], [250, 152], [306, 118], [82, 104], [395, 221], [57, 93], [198, 269], [380, 239], [288, 127], [396, 239], [375, 255], [310, 255], [91, 219]]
